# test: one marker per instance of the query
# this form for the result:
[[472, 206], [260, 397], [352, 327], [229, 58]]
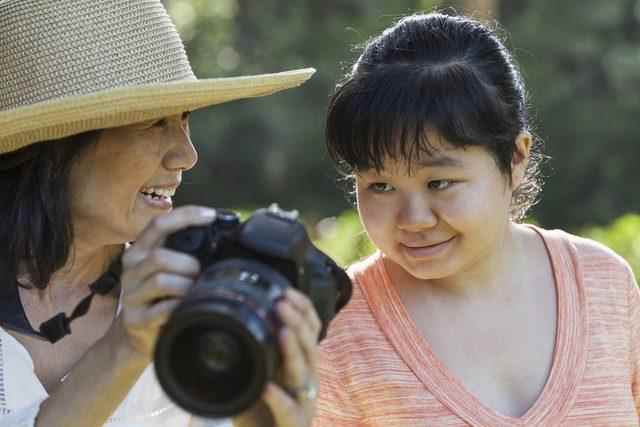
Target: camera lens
[[216, 362], [211, 367], [218, 351]]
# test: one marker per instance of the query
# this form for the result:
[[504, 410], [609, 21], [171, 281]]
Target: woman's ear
[[520, 158]]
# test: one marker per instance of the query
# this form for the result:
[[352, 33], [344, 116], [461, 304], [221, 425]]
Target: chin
[[137, 227], [428, 275], [435, 271]]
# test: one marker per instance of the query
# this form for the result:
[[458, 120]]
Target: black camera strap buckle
[[59, 326]]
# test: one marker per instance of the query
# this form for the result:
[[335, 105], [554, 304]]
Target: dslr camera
[[219, 348]]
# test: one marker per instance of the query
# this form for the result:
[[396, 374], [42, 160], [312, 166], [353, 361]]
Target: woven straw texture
[[68, 66]]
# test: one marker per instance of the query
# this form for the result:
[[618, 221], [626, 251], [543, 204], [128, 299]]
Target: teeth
[[165, 192]]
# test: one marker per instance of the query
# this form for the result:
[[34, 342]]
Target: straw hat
[[69, 66]]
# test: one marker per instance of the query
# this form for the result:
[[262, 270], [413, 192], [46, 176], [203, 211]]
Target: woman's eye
[[439, 184], [380, 187]]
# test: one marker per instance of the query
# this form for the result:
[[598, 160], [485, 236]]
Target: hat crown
[[56, 48]]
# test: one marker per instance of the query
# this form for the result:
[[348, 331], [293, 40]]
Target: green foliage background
[[580, 60], [623, 236]]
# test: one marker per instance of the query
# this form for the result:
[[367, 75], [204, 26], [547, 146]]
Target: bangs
[[389, 112]]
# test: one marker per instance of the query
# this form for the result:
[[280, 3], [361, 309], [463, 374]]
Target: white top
[[21, 394]]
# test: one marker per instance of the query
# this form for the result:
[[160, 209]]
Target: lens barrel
[[219, 349]]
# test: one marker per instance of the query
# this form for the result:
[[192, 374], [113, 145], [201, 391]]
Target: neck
[[92, 252], [85, 265]]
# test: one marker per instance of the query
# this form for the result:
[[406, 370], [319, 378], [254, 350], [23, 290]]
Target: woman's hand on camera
[[292, 400], [155, 278]]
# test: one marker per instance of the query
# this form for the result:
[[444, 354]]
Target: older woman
[[94, 139]]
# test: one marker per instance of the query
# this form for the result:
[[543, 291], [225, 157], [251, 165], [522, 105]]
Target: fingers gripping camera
[[219, 349]]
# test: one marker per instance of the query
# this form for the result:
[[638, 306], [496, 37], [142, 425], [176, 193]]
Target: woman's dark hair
[[35, 213], [432, 72]]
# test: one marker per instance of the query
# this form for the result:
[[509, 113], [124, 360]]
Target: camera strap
[[59, 326], [13, 316]]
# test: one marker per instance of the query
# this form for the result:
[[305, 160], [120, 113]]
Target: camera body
[[219, 348]]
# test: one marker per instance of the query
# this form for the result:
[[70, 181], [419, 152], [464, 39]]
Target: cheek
[[376, 216], [130, 175], [84, 188], [474, 213], [482, 201], [481, 216]]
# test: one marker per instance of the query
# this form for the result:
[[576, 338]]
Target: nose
[[182, 155], [416, 213]]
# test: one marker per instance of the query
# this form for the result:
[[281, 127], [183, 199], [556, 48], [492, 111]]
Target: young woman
[[94, 140], [465, 316]]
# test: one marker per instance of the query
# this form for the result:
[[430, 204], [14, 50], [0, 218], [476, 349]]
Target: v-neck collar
[[569, 356]]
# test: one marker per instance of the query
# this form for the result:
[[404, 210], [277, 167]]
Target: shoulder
[[591, 256], [602, 276], [364, 268]]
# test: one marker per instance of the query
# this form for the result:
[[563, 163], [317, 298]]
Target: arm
[[112, 370], [76, 401], [153, 281]]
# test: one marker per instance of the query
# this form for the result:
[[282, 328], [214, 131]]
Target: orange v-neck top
[[377, 369]]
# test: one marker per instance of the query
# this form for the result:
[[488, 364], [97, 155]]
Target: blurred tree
[[582, 64], [484, 10], [580, 59], [623, 236], [257, 151]]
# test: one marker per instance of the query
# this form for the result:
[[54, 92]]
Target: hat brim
[[118, 107]]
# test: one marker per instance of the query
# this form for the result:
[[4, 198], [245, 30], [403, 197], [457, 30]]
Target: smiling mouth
[[160, 191], [431, 245], [155, 196], [159, 197], [426, 251]]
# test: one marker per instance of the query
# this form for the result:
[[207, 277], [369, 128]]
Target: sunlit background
[[580, 60]]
